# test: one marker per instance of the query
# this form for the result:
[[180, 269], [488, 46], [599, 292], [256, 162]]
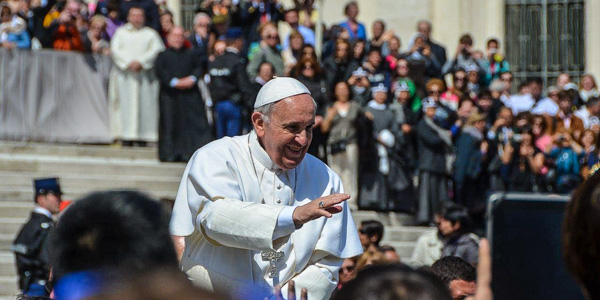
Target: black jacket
[[228, 78], [432, 156], [31, 249]]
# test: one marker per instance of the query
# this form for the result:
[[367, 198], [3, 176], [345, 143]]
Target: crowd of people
[[387, 111]]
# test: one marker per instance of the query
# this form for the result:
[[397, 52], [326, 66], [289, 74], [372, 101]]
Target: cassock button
[[278, 201], [279, 186]]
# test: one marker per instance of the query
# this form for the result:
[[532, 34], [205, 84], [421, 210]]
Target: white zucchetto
[[279, 88]]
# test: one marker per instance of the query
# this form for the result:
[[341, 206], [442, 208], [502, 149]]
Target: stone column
[[592, 38]]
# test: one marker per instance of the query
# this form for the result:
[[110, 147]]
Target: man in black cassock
[[183, 126]]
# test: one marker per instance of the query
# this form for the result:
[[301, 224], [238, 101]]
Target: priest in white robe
[[256, 211], [133, 87]]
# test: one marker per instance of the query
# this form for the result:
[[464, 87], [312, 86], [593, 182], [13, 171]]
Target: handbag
[[338, 147]]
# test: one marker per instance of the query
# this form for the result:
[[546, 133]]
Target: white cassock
[[228, 205], [133, 97]]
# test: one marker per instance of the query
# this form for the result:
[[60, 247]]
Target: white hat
[[380, 88], [402, 87], [570, 86], [360, 72], [428, 102], [471, 68], [279, 88]]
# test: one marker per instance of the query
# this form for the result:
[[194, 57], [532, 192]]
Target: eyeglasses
[[433, 92]]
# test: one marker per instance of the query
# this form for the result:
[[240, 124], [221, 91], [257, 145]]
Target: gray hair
[[201, 15], [267, 109]]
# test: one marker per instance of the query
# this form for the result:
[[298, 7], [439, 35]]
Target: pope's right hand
[[321, 207]]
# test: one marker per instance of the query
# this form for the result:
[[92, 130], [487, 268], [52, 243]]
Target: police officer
[[30, 246], [228, 82]]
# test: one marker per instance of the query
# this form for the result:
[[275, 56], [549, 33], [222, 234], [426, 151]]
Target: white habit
[[133, 97], [228, 208]]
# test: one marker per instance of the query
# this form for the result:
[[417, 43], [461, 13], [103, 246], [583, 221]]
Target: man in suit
[[30, 246], [199, 39], [424, 27]]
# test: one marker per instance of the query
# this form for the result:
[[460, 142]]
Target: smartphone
[[525, 238]]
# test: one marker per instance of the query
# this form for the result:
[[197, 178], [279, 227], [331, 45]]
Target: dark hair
[[372, 228], [442, 207], [380, 21], [265, 63], [564, 95], [393, 282], [581, 229], [536, 80], [458, 214], [386, 248], [492, 40], [136, 7], [451, 268], [113, 230], [300, 66], [347, 6], [466, 39], [485, 93], [374, 49]]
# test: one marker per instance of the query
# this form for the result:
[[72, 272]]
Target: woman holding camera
[[342, 147], [522, 163]]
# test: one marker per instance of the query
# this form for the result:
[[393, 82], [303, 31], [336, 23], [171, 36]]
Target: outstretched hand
[[291, 292], [321, 207]]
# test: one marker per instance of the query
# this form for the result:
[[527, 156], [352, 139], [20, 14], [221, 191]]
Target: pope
[[256, 211]]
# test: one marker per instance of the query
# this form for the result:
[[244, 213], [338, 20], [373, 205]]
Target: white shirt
[[584, 114], [545, 106], [230, 206]]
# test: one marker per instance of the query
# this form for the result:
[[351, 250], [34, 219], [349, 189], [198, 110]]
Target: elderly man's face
[[176, 38], [288, 132]]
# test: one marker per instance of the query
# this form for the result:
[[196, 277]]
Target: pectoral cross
[[272, 257]]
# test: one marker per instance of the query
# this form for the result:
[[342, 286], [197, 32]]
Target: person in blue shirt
[[13, 30], [356, 29]]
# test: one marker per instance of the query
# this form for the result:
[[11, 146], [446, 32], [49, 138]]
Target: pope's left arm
[[155, 46], [320, 277]]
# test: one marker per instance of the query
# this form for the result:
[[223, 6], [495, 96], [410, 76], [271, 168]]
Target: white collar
[[233, 50], [43, 211], [374, 105], [260, 80], [260, 154]]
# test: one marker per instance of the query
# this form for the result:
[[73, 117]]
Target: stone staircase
[[86, 168]]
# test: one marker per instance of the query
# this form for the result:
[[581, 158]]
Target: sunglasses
[[271, 36], [433, 92], [348, 269], [459, 79]]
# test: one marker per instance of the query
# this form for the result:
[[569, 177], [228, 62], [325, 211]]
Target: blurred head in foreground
[[393, 282], [112, 232], [581, 229]]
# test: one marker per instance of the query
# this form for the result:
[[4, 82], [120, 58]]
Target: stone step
[[18, 209], [94, 182], [8, 287], [403, 249], [10, 226], [404, 233], [51, 149], [60, 166], [387, 219], [5, 241], [25, 194]]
